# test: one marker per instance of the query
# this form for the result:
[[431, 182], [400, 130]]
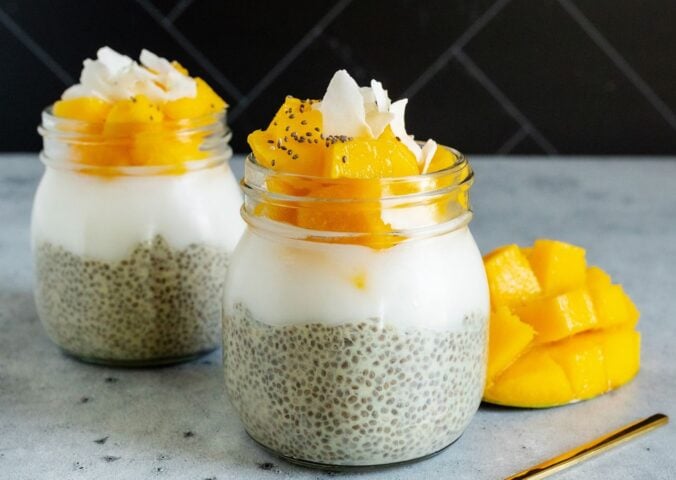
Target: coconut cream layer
[[106, 217], [431, 283]]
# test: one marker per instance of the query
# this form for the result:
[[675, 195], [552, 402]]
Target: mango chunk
[[612, 305], [582, 358], [596, 278], [622, 353], [128, 117], [535, 381], [204, 102], [554, 318], [293, 142], [510, 278], [366, 158], [88, 109], [508, 338], [443, 158], [558, 266]]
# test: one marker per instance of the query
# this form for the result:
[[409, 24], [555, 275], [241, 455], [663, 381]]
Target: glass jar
[[130, 246], [355, 316]]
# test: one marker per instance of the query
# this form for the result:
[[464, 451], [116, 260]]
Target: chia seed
[[158, 305], [354, 394]]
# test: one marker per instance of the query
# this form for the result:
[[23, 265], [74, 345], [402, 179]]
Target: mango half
[[560, 331]]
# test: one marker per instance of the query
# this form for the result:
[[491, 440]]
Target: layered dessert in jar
[[355, 316], [136, 215]]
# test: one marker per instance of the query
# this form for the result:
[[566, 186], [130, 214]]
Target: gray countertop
[[61, 419]]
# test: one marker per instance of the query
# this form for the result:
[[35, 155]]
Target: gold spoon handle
[[588, 450]]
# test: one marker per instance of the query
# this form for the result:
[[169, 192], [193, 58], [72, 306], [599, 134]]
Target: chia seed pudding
[[355, 394], [157, 305]]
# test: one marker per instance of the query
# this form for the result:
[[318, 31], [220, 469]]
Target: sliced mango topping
[[338, 168], [573, 339], [137, 131]]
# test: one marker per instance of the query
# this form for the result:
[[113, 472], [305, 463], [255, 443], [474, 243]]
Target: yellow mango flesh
[[88, 109], [583, 360], [554, 318], [508, 339], [338, 167], [535, 380], [622, 351], [558, 266], [612, 305], [366, 158], [138, 132], [205, 102], [584, 334], [293, 141], [443, 158], [510, 278]]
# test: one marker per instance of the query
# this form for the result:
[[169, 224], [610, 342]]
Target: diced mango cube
[[554, 318], [621, 351], [558, 266], [510, 278], [443, 158], [88, 109], [129, 117], [293, 141], [596, 277], [613, 306], [535, 381], [582, 358], [367, 158], [204, 102], [508, 338]]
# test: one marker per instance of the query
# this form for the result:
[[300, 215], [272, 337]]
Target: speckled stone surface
[[61, 419]]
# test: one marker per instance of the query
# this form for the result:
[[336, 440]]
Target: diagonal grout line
[[620, 62], [473, 69], [193, 51], [456, 46], [35, 49], [287, 59], [178, 10], [512, 141]]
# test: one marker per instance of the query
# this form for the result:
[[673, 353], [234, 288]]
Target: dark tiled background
[[487, 76]]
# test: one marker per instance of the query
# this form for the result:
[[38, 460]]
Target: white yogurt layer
[[105, 218], [428, 283]]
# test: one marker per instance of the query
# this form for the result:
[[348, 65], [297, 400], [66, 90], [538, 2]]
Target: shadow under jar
[[355, 316], [131, 238]]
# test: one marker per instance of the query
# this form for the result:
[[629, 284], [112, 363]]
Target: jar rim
[[184, 126], [254, 171], [460, 163], [446, 190]]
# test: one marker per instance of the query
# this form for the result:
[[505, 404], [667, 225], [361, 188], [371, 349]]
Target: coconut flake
[[380, 96], [342, 108], [113, 76], [398, 108], [427, 153], [350, 110], [176, 85]]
